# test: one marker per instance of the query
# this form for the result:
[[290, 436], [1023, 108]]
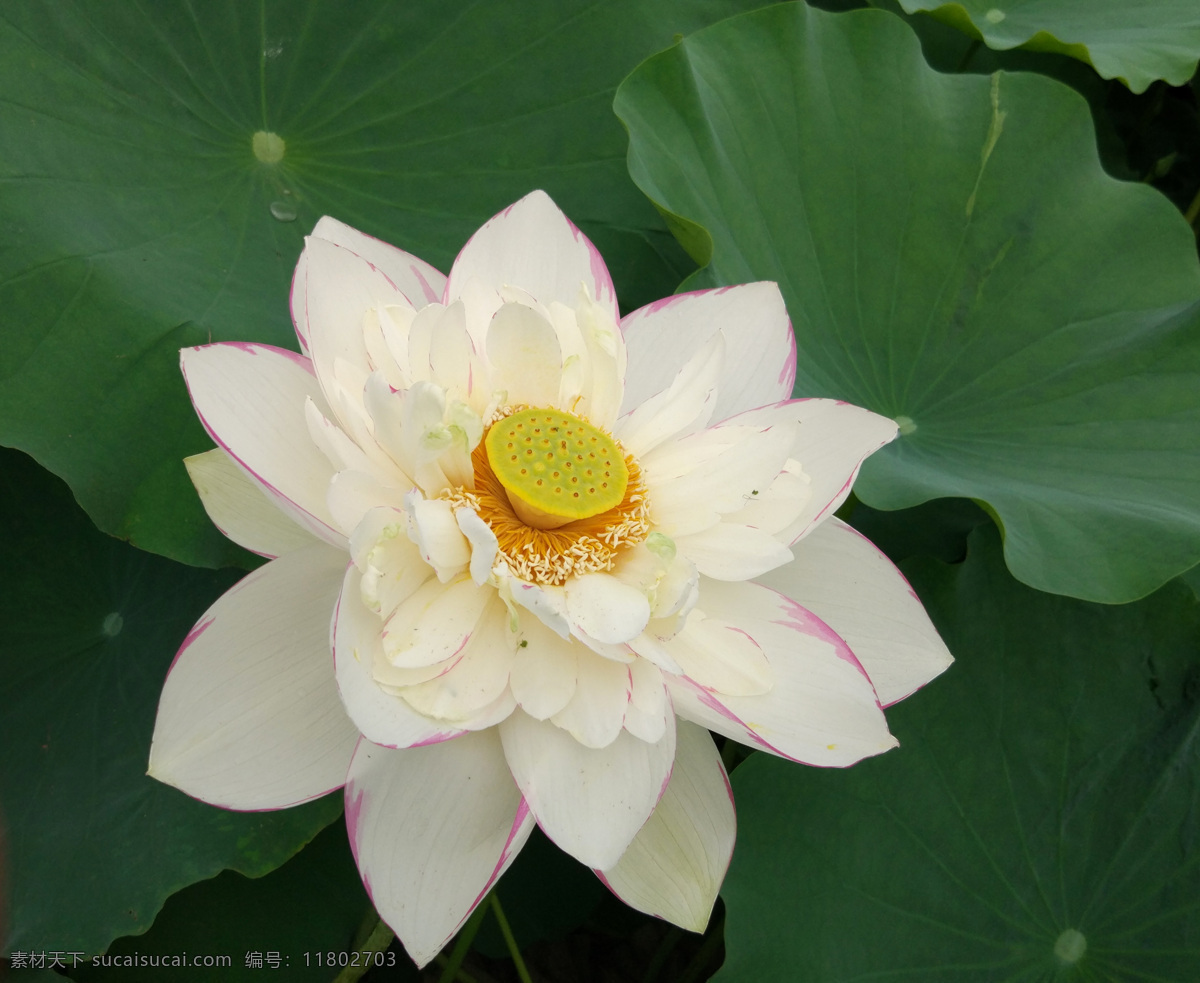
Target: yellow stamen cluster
[[588, 544]]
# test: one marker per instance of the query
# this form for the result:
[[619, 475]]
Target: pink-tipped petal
[[589, 801], [250, 717], [383, 718], [664, 335], [674, 867], [240, 508], [251, 400], [821, 709], [532, 245], [842, 578], [432, 830], [413, 277]]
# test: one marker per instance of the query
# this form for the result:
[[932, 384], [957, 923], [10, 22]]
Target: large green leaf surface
[[281, 924], [88, 627], [954, 257], [1136, 41], [136, 217], [1039, 821]]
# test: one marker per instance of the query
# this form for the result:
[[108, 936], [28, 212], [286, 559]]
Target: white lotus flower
[[549, 549]]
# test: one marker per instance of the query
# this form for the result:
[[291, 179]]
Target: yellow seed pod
[[555, 467]]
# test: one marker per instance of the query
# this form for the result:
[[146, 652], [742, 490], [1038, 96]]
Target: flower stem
[[462, 976], [972, 48], [513, 949], [1193, 211], [378, 940], [462, 945]]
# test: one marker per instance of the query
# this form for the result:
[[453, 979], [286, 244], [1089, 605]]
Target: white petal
[[596, 711], [674, 867], [433, 829], [684, 406], [390, 562], [544, 671], [476, 680], [453, 362], [663, 336], [604, 381], [591, 802], [695, 480], [483, 542], [548, 603], [649, 648], [534, 246], [340, 287], [413, 277], [435, 531], [833, 440], [606, 608], [240, 508], [775, 508], [646, 715], [385, 336], [434, 623], [494, 713], [251, 400], [822, 709], [731, 552], [842, 578], [249, 716], [656, 570], [382, 717], [526, 361], [342, 452], [352, 494], [721, 656], [613, 652]]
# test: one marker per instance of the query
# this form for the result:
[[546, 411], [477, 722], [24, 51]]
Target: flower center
[[555, 467], [574, 546]]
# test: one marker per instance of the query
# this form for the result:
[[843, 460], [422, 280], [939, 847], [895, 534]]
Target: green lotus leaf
[[162, 163], [284, 923], [1136, 41], [90, 626], [954, 257], [1039, 821]]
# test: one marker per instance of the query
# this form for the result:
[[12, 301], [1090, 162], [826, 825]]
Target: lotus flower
[[525, 556]]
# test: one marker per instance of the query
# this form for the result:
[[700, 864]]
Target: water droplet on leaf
[[284, 211], [113, 623]]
